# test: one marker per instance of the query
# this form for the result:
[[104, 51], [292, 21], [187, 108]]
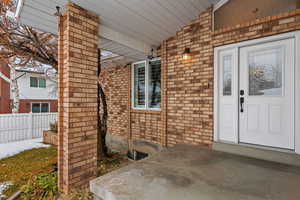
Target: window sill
[[149, 111]]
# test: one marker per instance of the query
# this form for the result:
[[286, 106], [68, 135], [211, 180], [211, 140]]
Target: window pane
[[265, 72], [139, 85], [42, 83], [45, 107], [227, 75], [33, 82], [36, 108], [154, 84]]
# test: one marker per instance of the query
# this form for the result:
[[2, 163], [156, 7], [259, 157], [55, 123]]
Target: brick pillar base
[[77, 107]]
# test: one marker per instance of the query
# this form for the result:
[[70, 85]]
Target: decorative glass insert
[[154, 84], [227, 75], [42, 83], [33, 82], [265, 72], [139, 85]]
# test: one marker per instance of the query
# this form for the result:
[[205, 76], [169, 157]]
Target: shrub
[[43, 186]]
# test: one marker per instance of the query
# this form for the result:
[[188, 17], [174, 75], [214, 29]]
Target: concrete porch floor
[[193, 173]]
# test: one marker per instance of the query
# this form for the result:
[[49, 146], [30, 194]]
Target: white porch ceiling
[[129, 28]]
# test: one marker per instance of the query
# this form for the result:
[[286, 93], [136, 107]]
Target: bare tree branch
[[24, 43]]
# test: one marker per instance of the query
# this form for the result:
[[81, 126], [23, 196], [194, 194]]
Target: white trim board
[[236, 47], [220, 4]]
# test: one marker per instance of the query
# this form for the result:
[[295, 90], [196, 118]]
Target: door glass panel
[[227, 75], [265, 72]]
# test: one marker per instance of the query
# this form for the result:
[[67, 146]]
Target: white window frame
[[49, 109], [146, 107], [38, 82]]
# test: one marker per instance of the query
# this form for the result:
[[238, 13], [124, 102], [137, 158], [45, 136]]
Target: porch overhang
[[128, 28]]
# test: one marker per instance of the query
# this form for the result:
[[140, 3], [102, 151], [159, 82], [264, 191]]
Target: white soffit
[[128, 28]]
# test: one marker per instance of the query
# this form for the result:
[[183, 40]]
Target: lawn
[[26, 166]]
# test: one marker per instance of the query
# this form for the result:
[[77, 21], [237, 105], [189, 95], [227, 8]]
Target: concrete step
[[284, 156]]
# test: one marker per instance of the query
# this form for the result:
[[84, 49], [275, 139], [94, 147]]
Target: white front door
[[266, 94]]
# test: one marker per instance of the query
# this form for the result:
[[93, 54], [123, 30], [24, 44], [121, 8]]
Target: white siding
[[27, 92]]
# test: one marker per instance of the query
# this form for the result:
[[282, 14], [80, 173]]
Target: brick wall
[[115, 82], [25, 104], [77, 124], [5, 102], [146, 126], [187, 107], [267, 26], [122, 120], [190, 84]]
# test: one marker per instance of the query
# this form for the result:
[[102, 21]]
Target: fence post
[[30, 121]]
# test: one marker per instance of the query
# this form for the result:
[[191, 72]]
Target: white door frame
[[236, 47]]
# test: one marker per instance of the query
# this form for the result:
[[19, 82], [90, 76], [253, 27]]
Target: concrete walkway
[[192, 173]]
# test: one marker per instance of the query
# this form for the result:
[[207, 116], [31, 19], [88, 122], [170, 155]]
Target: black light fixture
[[57, 13], [186, 54], [151, 56]]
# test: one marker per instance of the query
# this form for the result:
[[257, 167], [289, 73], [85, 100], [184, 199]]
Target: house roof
[[36, 70], [128, 28]]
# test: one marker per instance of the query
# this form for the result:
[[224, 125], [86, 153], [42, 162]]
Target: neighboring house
[[228, 73], [37, 92]]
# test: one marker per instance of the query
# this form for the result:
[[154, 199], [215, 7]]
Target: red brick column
[[164, 99], [77, 106], [5, 101]]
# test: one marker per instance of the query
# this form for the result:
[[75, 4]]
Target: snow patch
[[12, 148], [3, 187]]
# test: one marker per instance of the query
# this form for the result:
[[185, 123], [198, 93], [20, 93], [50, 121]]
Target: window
[[42, 83], [139, 85], [154, 84], [39, 107], [33, 82], [147, 84], [37, 82]]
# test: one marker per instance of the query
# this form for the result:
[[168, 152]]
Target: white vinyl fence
[[17, 127]]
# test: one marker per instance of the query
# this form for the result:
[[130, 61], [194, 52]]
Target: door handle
[[242, 100]]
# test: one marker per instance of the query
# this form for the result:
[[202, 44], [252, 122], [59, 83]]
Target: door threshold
[[263, 153], [257, 146]]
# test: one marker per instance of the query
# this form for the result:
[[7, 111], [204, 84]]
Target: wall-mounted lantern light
[[57, 13], [186, 54]]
